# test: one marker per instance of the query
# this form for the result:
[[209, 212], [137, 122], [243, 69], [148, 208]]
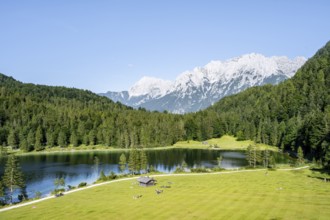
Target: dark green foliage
[[219, 160], [254, 156], [2, 189], [137, 161], [300, 156], [82, 184], [13, 177], [112, 176], [143, 161], [199, 170], [122, 162], [292, 114], [102, 176], [59, 182], [45, 116]]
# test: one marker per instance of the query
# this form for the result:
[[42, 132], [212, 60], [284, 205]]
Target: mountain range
[[203, 86]]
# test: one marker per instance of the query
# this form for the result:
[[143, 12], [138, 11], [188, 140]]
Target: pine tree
[[249, 155], [50, 139], [39, 140], [2, 189], [122, 162], [132, 166], [300, 155], [143, 161], [30, 139], [23, 145], [59, 182], [13, 177], [219, 160], [74, 139], [184, 165], [266, 158], [12, 139], [272, 162], [102, 176], [61, 141]]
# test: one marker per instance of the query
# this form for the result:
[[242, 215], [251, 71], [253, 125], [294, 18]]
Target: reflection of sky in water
[[41, 170]]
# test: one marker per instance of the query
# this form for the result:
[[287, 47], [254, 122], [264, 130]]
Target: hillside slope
[[34, 116], [292, 114]]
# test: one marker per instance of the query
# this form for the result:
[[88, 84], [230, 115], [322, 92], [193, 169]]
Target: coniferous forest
[[295, 113]]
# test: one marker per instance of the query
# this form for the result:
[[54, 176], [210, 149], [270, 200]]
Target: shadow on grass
[[321, 174]]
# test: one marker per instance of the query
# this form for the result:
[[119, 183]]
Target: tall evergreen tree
[[74, 139], [143, 161], [13, 177], [12, 139], [61, 141], [2, 189], [132, 160], [39, 140], [300, 155], [122, 162]]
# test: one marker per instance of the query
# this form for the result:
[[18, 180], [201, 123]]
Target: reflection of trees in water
[[41, 170]]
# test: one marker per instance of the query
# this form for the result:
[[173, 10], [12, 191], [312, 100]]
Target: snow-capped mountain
[[201, 87]]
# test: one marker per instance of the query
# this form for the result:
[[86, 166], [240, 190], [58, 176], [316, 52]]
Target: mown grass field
[[226, 142], [244, 195]]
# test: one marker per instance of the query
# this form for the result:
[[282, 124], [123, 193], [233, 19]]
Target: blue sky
[[109, 45]]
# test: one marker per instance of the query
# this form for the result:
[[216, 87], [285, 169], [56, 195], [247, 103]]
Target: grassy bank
[[226, 142], [245, 195]]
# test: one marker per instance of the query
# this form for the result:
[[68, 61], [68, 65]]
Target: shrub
[[82, 184], [112, 176], [199, 170], [57, 191]]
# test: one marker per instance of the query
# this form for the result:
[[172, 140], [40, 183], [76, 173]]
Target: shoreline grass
[[226, 142]]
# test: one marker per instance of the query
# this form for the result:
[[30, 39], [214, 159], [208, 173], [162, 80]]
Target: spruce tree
[[249, 155], [39, 140], [122, 162], [74, 139], [133, 157], [143, 161], [2, 189], [219, 160], [300, 155], [13, 177], [61, 141], [12, 139]]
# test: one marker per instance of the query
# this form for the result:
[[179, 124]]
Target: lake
[[41, 170]]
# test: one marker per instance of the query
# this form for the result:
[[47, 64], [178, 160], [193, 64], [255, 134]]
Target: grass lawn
[[226, 142], [245, 195]]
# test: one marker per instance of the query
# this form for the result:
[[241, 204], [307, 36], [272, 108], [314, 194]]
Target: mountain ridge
[[201, 87]]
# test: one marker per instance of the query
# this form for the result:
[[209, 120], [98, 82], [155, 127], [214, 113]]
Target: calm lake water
[[41, 170]]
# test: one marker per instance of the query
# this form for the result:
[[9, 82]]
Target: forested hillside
[[292, 114], [34, 116]]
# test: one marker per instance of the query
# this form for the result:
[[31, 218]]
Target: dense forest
[[34, 116], [292, 114]]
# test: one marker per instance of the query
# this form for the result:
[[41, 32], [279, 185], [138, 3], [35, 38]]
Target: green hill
[[291, 114], [35, 116]]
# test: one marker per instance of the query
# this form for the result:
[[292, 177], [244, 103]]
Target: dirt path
[[132, 178]]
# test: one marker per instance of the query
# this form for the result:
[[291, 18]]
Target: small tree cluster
[[13, 179], [137, 161]]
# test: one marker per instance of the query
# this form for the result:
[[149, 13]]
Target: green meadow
[[226, 142], [237, 195]]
